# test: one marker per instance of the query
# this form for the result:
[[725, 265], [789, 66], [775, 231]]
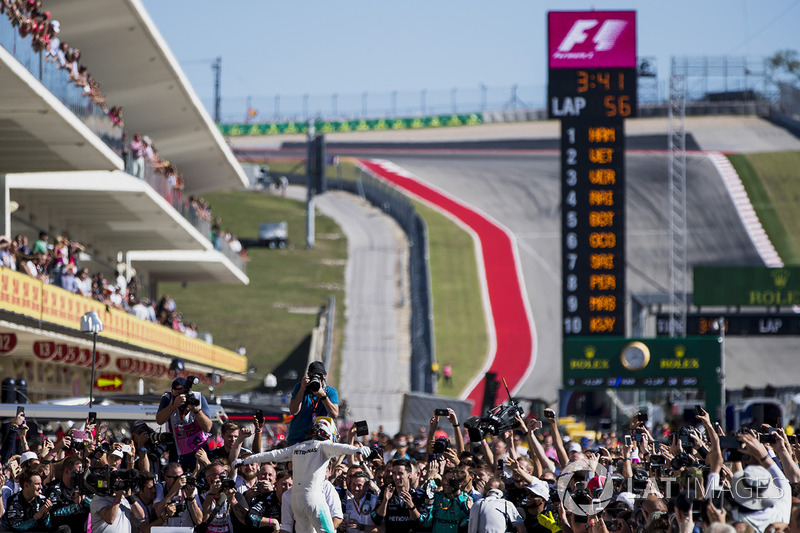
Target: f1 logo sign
[[603, 40], [593, 39]]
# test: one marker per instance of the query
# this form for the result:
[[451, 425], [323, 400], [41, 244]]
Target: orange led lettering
[[601, 218], [602, 282], [601, 156], [601, 198], [602, 303], [602, 135], [601, 261], [602, 240], [600, 324], [602, 176]]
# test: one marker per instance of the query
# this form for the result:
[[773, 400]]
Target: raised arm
[[563, 458]]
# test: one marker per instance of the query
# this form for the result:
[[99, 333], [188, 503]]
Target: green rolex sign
[[599, 363], [759, 286]]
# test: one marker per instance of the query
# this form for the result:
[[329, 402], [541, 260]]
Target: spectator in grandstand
[[84, 283], [311, 397], [40, 246], [189, 422], [7, 257], [137, 156]]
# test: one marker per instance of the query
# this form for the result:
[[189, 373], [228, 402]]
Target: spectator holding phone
[[311, 397]]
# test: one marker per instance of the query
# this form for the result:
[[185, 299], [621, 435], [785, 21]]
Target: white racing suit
[[309, 466]]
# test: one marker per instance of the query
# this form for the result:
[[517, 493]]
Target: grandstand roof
[[111, 211], [38, 133], [126, 54]]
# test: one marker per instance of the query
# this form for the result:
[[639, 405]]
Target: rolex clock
[[635, 356]]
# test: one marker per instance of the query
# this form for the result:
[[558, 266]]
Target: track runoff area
[[592, 89]]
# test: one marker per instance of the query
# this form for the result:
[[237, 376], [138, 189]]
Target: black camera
[[315, 382], [162, 438], [497, 420], [770, 437], [179, 507], [103, 480], [191, 381], [681, 460], [441, 445], [190, 480], [228, 483]]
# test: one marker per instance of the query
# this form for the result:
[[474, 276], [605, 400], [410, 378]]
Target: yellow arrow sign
[[103, 382]]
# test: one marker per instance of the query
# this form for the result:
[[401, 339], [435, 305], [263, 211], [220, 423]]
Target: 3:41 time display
[[606, 80]]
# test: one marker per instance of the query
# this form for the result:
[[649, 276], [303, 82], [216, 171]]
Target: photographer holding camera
[[70, 504], [112, 513], [189, 420], [177, 501], [311, 397]]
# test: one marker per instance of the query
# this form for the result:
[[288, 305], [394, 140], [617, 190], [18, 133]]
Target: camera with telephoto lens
[[103, 480], [191, 381], [681, 460], [162, 438], [496, 420], [314, 382]]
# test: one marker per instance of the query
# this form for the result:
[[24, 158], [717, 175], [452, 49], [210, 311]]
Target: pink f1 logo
[[591, 39]]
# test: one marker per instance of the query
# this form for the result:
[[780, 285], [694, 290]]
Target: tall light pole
[[91, 323]]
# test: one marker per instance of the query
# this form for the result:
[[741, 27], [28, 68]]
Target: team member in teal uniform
[[451, 506]]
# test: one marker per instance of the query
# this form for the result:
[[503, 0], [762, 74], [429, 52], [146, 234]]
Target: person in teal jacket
[[449, 512]]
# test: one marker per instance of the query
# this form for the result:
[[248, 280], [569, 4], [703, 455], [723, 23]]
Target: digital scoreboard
[[592, 89]]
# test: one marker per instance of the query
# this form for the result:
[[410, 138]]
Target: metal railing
[[56, 81]]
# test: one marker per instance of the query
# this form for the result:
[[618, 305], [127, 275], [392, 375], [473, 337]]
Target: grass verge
[[458, 318], [272, 314], [770, 180]]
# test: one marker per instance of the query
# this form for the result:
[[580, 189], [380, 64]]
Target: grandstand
[[63, 172]]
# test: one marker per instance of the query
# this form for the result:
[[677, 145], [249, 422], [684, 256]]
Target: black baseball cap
[[317, 368], [179, 383]]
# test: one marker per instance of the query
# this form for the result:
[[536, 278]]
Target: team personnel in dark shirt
[[28, 510], [400, 506], [70, 507]]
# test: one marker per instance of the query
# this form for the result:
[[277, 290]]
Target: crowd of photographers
[[501, 472]]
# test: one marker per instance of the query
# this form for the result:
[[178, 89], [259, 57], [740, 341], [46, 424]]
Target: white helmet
[[324, 429]]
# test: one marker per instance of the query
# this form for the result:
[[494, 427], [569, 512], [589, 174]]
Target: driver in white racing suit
[[309, 464]]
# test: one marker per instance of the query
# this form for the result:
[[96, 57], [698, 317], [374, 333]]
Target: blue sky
[[351, 47]]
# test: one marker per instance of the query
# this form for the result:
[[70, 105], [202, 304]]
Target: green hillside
[[272, 314], [772, 181]]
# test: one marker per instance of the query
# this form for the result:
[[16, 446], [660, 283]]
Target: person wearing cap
[[306, 403], [761, 492], [28, 509], [494, 514], [189, 424], [536, 517]]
